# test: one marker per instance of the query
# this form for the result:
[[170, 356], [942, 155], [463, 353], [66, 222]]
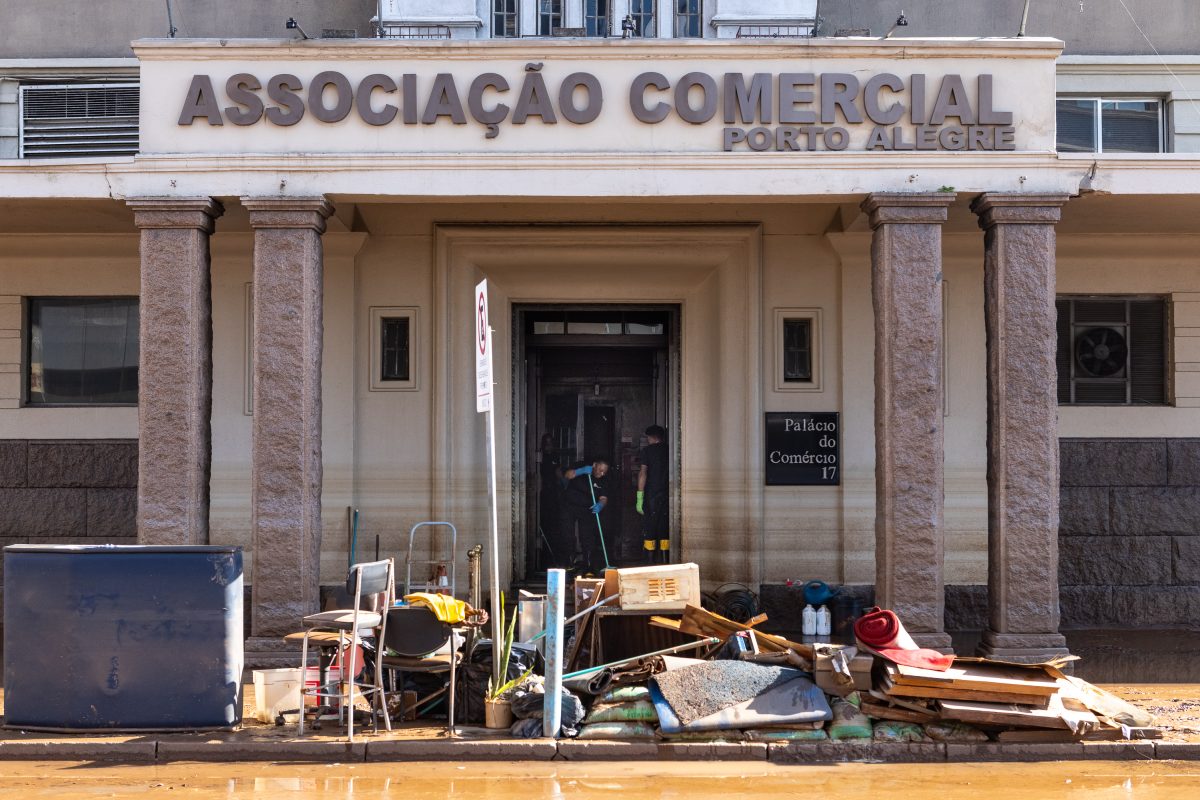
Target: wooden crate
[[671, 587]]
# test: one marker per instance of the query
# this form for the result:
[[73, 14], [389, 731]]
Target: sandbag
[[625, 694], [786, 735], [848, 722], [948, 731], [637, 711], [892, 731], [617, 730]]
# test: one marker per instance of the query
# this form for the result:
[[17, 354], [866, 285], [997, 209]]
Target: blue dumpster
[[130, 638]]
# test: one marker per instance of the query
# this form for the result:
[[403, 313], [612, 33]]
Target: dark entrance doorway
[[594, 377]]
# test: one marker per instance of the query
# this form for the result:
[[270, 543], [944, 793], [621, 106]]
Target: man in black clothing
[[583, 499], [652, 497]]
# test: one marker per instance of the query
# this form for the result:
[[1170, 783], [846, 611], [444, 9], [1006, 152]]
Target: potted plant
[[497, 705]]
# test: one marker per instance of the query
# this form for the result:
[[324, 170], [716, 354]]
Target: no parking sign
[[483, 351]]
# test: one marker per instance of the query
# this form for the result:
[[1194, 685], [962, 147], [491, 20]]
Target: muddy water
[[684, 781]]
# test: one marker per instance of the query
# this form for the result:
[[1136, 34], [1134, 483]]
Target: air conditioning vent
[[79, 120]]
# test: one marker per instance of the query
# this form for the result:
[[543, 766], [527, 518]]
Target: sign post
[[483, 405]]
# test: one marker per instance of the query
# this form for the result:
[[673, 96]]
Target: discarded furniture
[[122, 638], [451, 586], [371, 585], [418, 636]]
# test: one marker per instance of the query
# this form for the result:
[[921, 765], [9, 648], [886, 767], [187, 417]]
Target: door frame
[[524, 440]]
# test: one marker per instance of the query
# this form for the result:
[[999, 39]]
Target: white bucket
[[333, 683], [276, 691]]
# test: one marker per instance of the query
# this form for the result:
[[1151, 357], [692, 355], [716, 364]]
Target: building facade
[[919, 310]]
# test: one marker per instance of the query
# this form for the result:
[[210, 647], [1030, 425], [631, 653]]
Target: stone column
[[906, 287], [175, 369], [286, 490], [1019, 279]]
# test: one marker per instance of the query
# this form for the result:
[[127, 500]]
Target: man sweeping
[[583, 499], [652, 497]]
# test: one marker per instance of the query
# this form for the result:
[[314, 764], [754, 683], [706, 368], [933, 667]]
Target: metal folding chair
[[366, 582]]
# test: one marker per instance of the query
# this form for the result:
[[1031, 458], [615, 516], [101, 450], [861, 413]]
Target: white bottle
[[824, 621], [808, 621]]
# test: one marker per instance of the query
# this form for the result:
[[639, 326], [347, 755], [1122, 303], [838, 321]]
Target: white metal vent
[[79, 119]]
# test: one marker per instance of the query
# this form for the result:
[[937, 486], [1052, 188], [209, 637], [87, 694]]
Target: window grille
[[644, 18], [79, 120], [596, 16], [550, 16], [505, 19], [413, 31], [689, 19]]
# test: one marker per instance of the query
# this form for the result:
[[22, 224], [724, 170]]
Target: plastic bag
[[626, 694], [954, 732], [892, 731], [638, 711], [617, 730], [531, 706], [848, 722]]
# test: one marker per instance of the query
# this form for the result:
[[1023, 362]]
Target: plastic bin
[[276, 691], [126, 638]]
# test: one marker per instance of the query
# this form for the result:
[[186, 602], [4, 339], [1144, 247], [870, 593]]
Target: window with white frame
[[1110, 125], [798, 349], [393, 349], [596, 16], [689, 19], [550, 16], [505, 19], [645, 23]]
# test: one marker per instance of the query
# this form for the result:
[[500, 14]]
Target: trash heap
[[738, 683]]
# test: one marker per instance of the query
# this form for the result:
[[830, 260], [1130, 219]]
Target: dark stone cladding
[[67, 491], [1129, 534]]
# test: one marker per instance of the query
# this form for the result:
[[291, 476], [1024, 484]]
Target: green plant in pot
[[497, 701]]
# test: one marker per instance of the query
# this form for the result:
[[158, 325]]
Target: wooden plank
[[700, 622], [665, 622], [891, 688], [1015, 716], [979, 677], [895, 713]]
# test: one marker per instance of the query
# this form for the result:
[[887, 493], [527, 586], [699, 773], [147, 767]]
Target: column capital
[[1029, 209], [288, 212], [922, 208], [174, 212]]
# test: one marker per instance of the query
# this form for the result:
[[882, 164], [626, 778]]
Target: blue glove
[[583, 471], [597, 507]]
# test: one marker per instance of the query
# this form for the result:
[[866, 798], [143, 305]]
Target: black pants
[[587, 552], [655, 520]]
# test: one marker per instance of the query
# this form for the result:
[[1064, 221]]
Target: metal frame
[[408, 560], [1125, 324], [22, 89], [347, 673]]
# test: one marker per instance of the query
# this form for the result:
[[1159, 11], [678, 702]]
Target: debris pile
[[750, 685]]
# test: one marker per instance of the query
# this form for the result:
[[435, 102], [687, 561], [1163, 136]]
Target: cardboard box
[[670, 587]]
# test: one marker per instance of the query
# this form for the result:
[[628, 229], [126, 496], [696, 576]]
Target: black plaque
[[804, 449]]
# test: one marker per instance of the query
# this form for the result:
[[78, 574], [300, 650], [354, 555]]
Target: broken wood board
[[1015, 716], [895, 713], [887, 682], [979, 677], [1103, 703], [1102, 735], [699, 622]]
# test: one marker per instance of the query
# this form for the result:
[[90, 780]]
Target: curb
[[144, 750]]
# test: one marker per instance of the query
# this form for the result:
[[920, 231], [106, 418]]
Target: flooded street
[[1097, 780]]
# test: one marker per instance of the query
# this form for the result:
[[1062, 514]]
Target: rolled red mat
[[878, 629]]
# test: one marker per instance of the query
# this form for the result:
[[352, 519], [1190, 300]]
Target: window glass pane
[[601, 328], [797, 350], [688, 19], [83, 350], [642, 12], [549, 16], [395, 348], [1130, 126], [1076, 126], [541, 328], [595, 17], [504, 18]]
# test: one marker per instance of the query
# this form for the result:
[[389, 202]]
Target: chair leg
[[453, 659], [303, 676], [348, 695]]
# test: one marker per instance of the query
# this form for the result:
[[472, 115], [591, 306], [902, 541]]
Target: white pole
[[556, 582], [497, 633]]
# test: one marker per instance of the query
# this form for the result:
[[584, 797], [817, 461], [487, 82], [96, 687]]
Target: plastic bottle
[[808, 621], [824, 621]]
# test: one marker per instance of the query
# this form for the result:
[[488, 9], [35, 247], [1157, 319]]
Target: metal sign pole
[[484, 392]]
